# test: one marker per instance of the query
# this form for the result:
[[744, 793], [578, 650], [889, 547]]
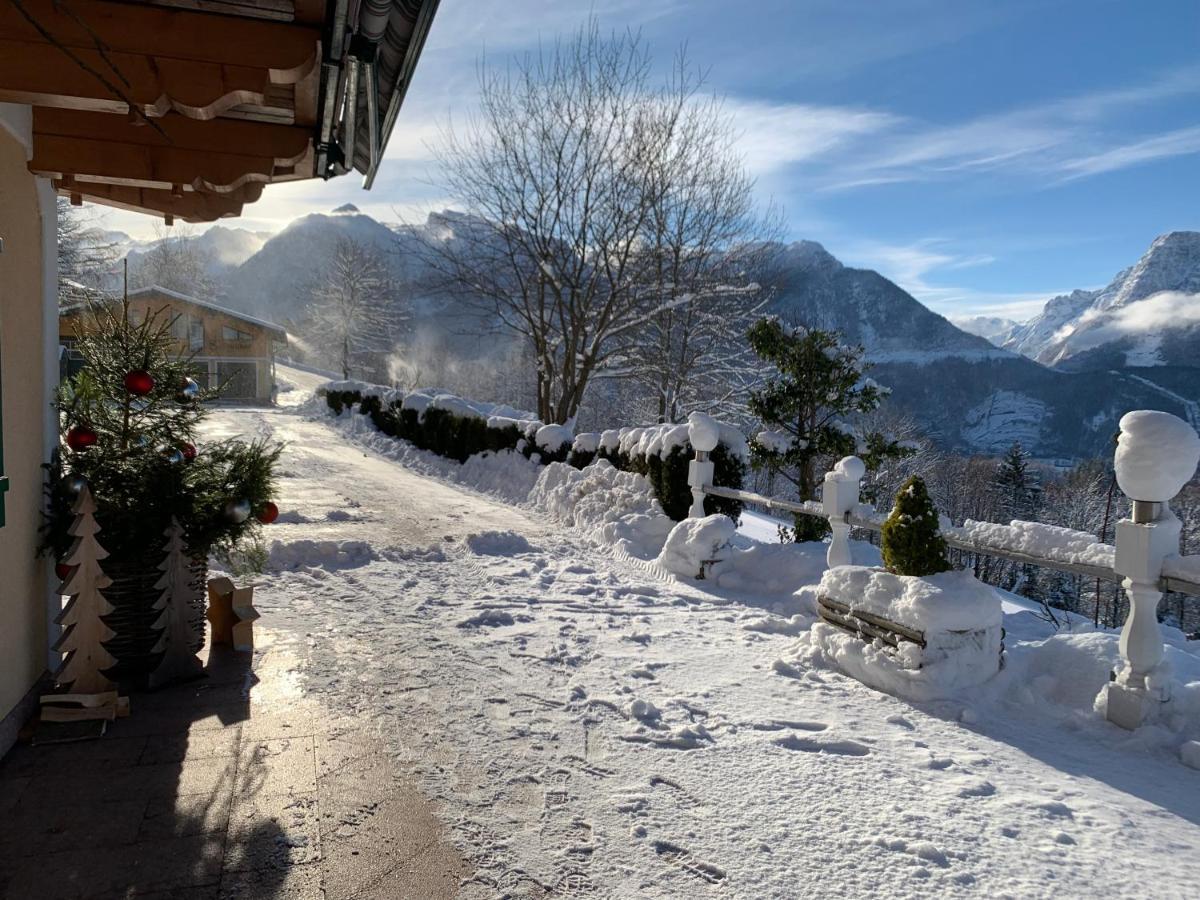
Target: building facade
[[231, 350]]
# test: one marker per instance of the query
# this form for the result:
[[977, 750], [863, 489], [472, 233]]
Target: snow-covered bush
[[695, 544], [912, 543]]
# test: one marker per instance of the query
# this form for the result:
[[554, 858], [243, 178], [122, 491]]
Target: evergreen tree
[[138, 411], [816, 381], [912, 543], [1017, 490]]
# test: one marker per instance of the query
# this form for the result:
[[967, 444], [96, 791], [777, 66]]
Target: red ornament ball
[[267, 513], [63, 571], [80, 437], [139, 382], [189, 451]]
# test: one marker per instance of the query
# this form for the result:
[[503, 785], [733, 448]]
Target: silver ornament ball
[[238, 510]]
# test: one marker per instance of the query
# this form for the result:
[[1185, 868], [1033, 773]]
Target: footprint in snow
[[682, 859], [811, 745], [795, 725]]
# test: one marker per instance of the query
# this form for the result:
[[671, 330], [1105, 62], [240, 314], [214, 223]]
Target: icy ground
[[590, 728]]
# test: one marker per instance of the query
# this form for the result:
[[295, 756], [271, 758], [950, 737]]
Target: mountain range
[[1058, 383]]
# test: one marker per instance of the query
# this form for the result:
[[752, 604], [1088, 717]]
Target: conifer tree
[[1016, 488], [912, 543], [84, 631], [178, 637], [816, 382]]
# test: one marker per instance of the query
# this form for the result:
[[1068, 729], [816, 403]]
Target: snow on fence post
[[838, 498], [1156, 455], [703, 433]]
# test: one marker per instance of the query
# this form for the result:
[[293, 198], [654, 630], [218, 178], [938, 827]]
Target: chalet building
[[228, 348], [182, 110]]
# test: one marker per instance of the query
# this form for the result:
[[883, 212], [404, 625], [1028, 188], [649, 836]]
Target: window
[[234, 336], [195, 333]]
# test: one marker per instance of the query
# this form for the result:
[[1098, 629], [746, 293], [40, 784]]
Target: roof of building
[[187, 108], [154, 289]]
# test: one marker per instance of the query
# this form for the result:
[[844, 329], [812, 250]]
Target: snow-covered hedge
[[458, 429], [662, 453]]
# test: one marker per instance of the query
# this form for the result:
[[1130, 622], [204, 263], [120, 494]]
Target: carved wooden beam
[[190, 206], [287, 49]]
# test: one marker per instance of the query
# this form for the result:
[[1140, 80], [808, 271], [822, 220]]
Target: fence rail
[[812, 508]]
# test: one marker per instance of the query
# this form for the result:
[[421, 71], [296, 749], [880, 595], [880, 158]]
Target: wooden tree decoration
[[176, 641], [84, 631]]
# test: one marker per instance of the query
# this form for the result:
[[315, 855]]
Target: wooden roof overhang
[[189, 108]]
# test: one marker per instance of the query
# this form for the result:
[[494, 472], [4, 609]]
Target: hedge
[[661, 453]]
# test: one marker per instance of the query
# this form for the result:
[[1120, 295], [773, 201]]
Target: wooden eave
[[176, 107], [189, 107]]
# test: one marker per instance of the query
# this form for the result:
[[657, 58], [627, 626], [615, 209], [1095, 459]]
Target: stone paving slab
[[235, 786]]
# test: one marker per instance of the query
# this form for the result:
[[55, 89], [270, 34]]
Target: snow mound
[[612, 507], [505, 474], [766, 569], [696, 542], [948, 601], [323, 554], [551, 437], [498, 543], [1156, 455], [959, 616]]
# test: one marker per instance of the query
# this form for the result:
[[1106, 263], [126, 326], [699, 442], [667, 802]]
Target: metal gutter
[[415, 45]]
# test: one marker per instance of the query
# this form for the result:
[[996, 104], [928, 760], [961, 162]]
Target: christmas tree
[[130, 424], [130, 421], [817, 381], [912, 543], [84, 631], [1017, 491], [179, 596]]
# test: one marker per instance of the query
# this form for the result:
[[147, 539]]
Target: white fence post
[[703, 433], [839, 497], [1156, 455]]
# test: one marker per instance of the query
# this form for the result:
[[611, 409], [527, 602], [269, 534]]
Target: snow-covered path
[[590, 729]]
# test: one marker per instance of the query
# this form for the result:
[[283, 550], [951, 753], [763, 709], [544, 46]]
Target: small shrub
[[581, 458], [912, 543]]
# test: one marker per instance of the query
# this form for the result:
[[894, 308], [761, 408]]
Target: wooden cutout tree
[[177, 640], [84, 631]]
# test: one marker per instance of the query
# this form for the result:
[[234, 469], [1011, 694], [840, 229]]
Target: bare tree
[[707, 250], [561, 172], [353, 315], [86, 255], [175, 261]]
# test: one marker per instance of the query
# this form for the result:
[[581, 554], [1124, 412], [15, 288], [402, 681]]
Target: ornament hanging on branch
[[84, 631], [80, 437], [267, 513], [178, 598], [139, 382], [189, 391], [238, 510], [173, 455], [188, 451]]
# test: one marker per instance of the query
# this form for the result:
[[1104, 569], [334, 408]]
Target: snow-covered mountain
[[223, 249], [275, 281], [1148, 315], [992, 328], [971, 395], [814, 288]]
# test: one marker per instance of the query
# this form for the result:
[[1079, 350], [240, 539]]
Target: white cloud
[[774, 135], [1181, 142], [1168, 309]]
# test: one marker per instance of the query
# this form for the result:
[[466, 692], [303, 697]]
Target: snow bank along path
[[588, 730]]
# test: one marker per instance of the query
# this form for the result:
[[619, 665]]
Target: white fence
[[1147, 544]]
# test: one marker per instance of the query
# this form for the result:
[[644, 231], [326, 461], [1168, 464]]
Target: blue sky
[[984, 155]]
